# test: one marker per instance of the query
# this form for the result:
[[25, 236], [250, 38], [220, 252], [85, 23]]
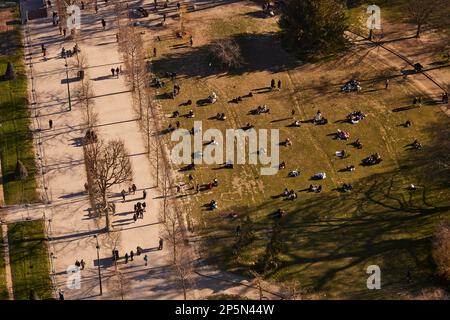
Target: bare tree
[[226, 53], [421, 11], [132, 48], [108, 164]]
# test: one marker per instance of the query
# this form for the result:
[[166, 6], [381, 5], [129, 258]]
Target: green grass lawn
[[29, 260], [328, 239], [3, 289], [16, 141]]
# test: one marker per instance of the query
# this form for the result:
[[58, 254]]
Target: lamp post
[[67, 81], [98, 265]]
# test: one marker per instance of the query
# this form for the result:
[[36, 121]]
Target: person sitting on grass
[[292, 195], [358, 144], [221, 116], [190, 114], [346, 187], [350, 168], [280, 213], [417, 145], [342, 135], [319, 176], [213, 205], [282, 165], [294, 173], [287, 142]]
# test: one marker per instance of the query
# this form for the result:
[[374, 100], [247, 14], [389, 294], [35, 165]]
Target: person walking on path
[[117, 72], [103, 24], [113, 71], [161, 244], [126, 258], [123, 193], [50, 124], [144, 194], [146, 260], [131, 255], [134, 188]]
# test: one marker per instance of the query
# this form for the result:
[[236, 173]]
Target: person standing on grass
[[50, 124], [272, 84], [279, 84], [146, 260]]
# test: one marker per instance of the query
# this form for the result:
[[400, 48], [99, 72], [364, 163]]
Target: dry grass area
[[328, 239]]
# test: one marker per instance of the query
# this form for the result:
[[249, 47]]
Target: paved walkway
[[71, 229]]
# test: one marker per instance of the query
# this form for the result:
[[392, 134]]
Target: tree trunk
[[419, 29], [105, 201]]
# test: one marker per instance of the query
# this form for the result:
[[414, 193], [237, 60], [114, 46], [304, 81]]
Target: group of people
[[80, 264], [116, 71], [355, 117], [139, 209], [373, 159], [290, 194]]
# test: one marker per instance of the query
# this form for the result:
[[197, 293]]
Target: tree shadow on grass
[[260, 52], [328, 241]]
